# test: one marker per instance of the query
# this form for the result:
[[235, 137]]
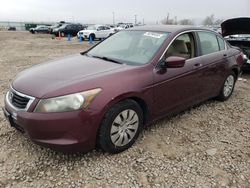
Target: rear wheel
[[120, 127], [228, 87]]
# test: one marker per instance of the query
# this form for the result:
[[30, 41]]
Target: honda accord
[[104, 96]]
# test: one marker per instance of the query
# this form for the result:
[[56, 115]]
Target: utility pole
[[135, 19], [113, 18]]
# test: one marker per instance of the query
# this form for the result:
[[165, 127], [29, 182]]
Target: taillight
[[240, 59]]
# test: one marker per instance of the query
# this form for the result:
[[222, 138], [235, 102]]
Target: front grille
[[18, 101]]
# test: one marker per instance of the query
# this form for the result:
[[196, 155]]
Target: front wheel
[[120, 127], [228, 87]]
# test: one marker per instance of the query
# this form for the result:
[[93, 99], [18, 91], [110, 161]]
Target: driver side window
[[182, 46]]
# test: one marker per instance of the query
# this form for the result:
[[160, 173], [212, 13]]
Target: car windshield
[[91, 27], [63, 26], [56, 25], [122, 26], [130, 47]]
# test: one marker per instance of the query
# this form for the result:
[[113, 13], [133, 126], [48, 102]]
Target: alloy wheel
[[228, 86]]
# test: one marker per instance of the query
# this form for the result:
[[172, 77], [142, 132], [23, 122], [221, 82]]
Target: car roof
[[167, 28]]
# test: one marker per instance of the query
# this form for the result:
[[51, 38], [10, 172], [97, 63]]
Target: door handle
[[224, 55], [196, 65]]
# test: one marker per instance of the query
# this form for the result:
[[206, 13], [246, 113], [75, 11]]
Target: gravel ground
[[207, 146]]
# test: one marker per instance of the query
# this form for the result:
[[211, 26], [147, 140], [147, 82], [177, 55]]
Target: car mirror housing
[[175, 62]]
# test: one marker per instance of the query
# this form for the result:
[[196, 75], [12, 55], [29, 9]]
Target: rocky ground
[[208, 146]]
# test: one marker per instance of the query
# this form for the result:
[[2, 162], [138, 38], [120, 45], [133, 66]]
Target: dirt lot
[[208, 146]]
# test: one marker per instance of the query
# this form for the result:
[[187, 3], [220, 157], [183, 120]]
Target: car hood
[[41, 80], [235, 26]]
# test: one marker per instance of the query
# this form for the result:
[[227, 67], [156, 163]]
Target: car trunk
[[237, 26], [243, 45]]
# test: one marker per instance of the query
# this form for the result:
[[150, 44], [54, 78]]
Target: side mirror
[[175, 62]]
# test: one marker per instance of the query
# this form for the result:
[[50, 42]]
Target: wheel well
[[235, 70], [92, 35], [144, 108]]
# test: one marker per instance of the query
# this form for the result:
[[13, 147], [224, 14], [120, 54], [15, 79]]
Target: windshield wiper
[[107, 59]]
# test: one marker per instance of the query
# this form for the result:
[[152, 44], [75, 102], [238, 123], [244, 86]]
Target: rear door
[[107, 32], [74, 29], [214, 57], [67, 30], [100, 33]]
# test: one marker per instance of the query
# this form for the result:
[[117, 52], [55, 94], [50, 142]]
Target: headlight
[[68, 102]]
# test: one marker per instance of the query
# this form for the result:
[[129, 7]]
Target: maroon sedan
[[106, 95]]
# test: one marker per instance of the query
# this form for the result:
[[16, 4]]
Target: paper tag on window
[[154, 35]]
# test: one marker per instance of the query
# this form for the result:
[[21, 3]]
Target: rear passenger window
[[221, 43], [209, 43]]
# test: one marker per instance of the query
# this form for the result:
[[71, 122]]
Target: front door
[[177, 88]]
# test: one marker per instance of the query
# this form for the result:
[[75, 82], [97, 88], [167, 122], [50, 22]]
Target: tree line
[[208, 21]]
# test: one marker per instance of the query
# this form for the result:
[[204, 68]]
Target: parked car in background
[[96, 32], [105, 96], [40, 29], [56, 25], [123, 26], [237, 33], [69, 28], [111, 26], [12, 28]]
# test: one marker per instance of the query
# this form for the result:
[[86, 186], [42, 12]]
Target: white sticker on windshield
[[154, 35]]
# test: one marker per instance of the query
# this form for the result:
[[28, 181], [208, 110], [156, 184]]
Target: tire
[[93, 36], [227, 88], [117, 132]]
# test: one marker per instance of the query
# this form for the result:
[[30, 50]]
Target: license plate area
[[11, 120]]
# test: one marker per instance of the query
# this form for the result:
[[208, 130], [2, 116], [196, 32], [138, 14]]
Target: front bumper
[[67, 132]]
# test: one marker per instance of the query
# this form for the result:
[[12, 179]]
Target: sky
[[100, 11]]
